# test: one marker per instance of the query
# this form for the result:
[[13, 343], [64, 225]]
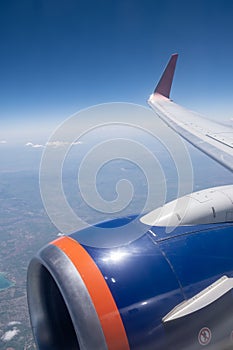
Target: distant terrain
[[24, 229]]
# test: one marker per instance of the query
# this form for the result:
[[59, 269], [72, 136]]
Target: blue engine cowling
[[82, 297]]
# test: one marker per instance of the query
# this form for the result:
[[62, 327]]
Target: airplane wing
[[212, 138]]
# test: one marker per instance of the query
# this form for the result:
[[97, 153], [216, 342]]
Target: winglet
[[165, 83]]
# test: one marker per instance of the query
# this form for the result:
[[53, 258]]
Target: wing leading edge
[[213, 139]]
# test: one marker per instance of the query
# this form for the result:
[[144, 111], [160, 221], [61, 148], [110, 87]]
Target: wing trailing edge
[[164, 85]]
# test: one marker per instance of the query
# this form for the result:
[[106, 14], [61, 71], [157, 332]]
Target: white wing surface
[[214, 139]]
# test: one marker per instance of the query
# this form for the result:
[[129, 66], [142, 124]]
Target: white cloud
[[57, 143], [53, 144], [34, 145], [13, 323], [10, 334], [3, 141], [62, 143]]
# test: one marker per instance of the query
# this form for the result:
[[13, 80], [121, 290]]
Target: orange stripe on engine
[[100, 294]]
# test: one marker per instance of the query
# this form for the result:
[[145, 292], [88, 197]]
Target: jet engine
[[165, 290]]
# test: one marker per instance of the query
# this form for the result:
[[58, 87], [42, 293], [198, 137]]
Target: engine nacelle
[[161, 291]]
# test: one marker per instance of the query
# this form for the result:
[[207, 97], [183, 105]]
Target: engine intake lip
[[61, 310]]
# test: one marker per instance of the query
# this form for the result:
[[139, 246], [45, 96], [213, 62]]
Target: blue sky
[[58, 57]]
